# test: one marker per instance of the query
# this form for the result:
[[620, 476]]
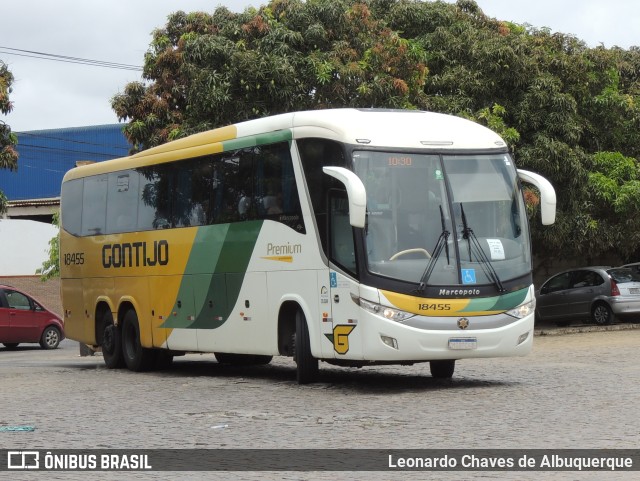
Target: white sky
[[48, 94]]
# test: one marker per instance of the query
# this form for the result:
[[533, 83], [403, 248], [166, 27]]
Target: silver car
[[599, 293], [635, 267]]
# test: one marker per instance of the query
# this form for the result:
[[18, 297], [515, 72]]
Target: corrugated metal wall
[[46, 155]]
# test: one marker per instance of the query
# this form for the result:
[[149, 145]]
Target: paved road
[[573, 391]]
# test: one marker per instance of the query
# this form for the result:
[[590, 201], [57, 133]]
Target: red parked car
[[25, 320]]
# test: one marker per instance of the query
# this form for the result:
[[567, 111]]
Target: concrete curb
[[558, 331]]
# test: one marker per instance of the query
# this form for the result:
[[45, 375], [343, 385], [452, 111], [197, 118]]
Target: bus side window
[[71, 208], [275, 190], [316, 154], [122, 194], [203, 192], [94, 202], [236, 173], [154, 202], [340, 231]]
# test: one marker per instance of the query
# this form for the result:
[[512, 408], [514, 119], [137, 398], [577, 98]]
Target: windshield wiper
[[476, 249], [443, 242]]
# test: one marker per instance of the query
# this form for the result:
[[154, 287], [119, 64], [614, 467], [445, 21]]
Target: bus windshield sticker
[[496, 249], [468, 276], [122, 183], [324, 295]]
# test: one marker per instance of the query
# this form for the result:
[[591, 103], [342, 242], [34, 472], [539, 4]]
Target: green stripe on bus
[[511, 300], [223, 251], [497, 303], [253, 140]]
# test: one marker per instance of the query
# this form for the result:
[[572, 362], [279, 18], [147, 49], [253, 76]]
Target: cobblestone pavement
[[574, 391]]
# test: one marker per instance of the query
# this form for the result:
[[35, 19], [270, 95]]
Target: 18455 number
[[434, 307], [74, 259]]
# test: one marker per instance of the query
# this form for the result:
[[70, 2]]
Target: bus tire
[[111, 342], [136, 357], [442, 369], [242, 359], [307, 365]]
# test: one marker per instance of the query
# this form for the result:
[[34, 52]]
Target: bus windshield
[[444, 219]]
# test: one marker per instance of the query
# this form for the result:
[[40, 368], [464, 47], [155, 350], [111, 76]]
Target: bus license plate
[[463, 343]]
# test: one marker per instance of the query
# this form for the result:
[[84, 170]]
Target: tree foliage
[[567, 111], [8, 140], [51, 267]]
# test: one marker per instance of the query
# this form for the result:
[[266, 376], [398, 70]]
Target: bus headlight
[[523, 310], [387, 312]]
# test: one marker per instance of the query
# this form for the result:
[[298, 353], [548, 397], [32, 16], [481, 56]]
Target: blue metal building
[[46, 155]]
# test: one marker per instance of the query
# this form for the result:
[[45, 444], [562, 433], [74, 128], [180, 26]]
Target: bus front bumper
[[392, 341]]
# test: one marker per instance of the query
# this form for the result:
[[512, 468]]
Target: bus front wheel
[[111, 342], [442, 369], [307, 365], [136, 357]]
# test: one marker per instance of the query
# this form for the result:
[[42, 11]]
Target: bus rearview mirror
[[356, 193], [547, 195]]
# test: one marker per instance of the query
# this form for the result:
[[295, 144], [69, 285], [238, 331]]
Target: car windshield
[[443, 219], [624, 274]]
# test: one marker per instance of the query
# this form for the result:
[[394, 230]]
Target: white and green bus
[[353, 237]]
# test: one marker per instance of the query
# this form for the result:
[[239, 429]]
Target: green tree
[[559, 104], [8, 140], [613, 192], [203, 71], [51, 267]]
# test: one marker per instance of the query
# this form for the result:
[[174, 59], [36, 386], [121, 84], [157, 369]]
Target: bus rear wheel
[[307, 365], [442, 369], [111, 342], [136, 357]]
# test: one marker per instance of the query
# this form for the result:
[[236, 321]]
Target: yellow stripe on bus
[[436, 307], [279, 258]]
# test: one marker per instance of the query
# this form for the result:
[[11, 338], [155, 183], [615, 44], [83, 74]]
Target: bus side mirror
[[547, 195], [356, 194]]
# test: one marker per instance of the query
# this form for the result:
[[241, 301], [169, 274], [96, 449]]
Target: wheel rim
[[51, 338], [600, 315]]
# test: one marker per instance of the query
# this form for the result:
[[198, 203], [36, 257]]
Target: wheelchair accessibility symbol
[[468, 276]]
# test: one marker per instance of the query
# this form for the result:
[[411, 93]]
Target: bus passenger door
[[345, 336]]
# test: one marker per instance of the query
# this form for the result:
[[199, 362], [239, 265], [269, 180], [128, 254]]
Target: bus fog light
[[522, 338], [389, 341]]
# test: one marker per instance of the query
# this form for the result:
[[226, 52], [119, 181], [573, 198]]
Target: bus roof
[[401, 129]]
